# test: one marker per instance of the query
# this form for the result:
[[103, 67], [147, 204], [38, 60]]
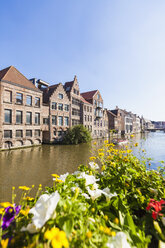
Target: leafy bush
[[121, 206], [77, 134]]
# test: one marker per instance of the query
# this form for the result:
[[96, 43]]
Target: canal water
[[35, 165]]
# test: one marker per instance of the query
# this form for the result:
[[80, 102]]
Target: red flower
[[157, 205]]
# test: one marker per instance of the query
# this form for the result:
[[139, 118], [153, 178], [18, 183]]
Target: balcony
[[99, 105], [99, 114]]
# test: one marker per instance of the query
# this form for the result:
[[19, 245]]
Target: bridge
[[155, 129]]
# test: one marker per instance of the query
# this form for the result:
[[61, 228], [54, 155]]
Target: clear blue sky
[[115, 46]]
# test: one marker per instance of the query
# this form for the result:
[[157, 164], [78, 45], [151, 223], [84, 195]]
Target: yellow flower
[[6, 204], [143, 150], [131, 135], [57, 237], [107, 230], [89, 234], [100, 150], [4, 243], [13, 188], [24, 188], [59, 180], [113, 233], [101, 154], [95, 143], [136, 144], [93, 210], [103, 168], [105, 141], [33, 186], [28, 198], [106, 217], [55, 175], [1, 210], [116, 221], [24, 212], [92, 158], [101, 228]]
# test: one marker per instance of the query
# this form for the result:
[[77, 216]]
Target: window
[[7, 96], [54, 105], [98, 96], [60, 106], [54, 133], [37, 132], [75, 112], [66, 107], [54, 120], [8, 116], [91, 109], [87, 108], [60, 96], [68, 88], [37, 102], [60, 121], [29, 133], [18, 117], [75, 101], [7, 133], [94, 102], [91, 118], [37, 118], [29, 118], [46, 121], [88, 117], [85, 118], [66, 121], [19, 133], [84, 108], [29, 100], [19, 98]]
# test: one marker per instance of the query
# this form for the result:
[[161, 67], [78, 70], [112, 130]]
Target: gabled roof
[[12, 75], [48, 92], [110, 112], [89, 94], [84, 101]]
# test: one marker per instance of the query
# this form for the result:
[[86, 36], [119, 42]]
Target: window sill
[[6, 123], [7, 102], [18, 103]]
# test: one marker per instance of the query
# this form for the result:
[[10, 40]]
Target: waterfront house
[[56, 113], [20, 110], [73, 93], [94, 98], [86, 114]]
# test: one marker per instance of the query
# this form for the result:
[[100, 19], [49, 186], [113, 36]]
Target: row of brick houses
[[33, 112]]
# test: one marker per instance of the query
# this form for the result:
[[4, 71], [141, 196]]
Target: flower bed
[[112, 202]]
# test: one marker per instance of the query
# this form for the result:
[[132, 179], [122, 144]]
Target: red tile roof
[[88, 95], [83, 100], [11, 74]]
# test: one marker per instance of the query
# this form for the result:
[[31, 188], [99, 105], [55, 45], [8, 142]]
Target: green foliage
[[77, 134]]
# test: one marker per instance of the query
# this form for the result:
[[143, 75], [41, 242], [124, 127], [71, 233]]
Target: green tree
[[77, 134]]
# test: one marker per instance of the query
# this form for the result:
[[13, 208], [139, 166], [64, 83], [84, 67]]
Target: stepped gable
[[48, 92], [11, 74], [88, 95], [69, 84]]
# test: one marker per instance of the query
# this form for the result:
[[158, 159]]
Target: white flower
[[43, 210], [91, 219], [63, 177], [163, 220], [119, 241], [107, 193], [85, 195], [94, 193], [90, 179], [31, 228], [93, 165]]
